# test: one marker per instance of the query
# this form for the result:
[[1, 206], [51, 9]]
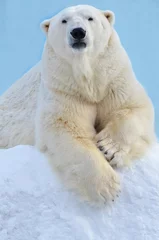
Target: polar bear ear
[[45, 25], [110, 17]]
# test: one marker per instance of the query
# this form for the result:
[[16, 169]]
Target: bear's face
[[79, 30]]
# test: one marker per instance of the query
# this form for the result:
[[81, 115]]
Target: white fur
[[87, 99]]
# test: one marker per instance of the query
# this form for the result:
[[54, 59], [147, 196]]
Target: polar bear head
[[79, 30]]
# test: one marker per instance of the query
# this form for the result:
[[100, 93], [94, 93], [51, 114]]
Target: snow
[[35, 206]]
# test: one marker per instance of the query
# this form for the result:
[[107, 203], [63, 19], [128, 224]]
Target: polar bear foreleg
[[81, 165], [126, 136]]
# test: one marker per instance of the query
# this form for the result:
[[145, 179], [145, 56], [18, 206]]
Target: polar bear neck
[[84, 78]]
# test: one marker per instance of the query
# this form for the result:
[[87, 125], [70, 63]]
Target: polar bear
[[81, 105]]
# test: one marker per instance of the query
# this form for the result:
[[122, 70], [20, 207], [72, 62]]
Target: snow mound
[[34, 206]]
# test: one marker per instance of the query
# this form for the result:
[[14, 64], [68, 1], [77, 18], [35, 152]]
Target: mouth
[[79, 45]]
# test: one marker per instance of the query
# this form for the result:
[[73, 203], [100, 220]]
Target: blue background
[[21, 40]]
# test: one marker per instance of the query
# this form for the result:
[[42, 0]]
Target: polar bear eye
[[90, 19], [64, 21]]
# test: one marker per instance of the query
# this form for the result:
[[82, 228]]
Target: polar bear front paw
[[110, 186], [113, 151]]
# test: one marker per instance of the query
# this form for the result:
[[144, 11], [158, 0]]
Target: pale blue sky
[[21, 40]]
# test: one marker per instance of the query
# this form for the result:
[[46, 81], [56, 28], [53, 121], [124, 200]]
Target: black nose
[[78, 33]]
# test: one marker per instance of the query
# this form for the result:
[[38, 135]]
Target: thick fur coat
[[83, 107]]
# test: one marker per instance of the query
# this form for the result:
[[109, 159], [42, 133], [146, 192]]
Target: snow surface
[[34, 205]]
